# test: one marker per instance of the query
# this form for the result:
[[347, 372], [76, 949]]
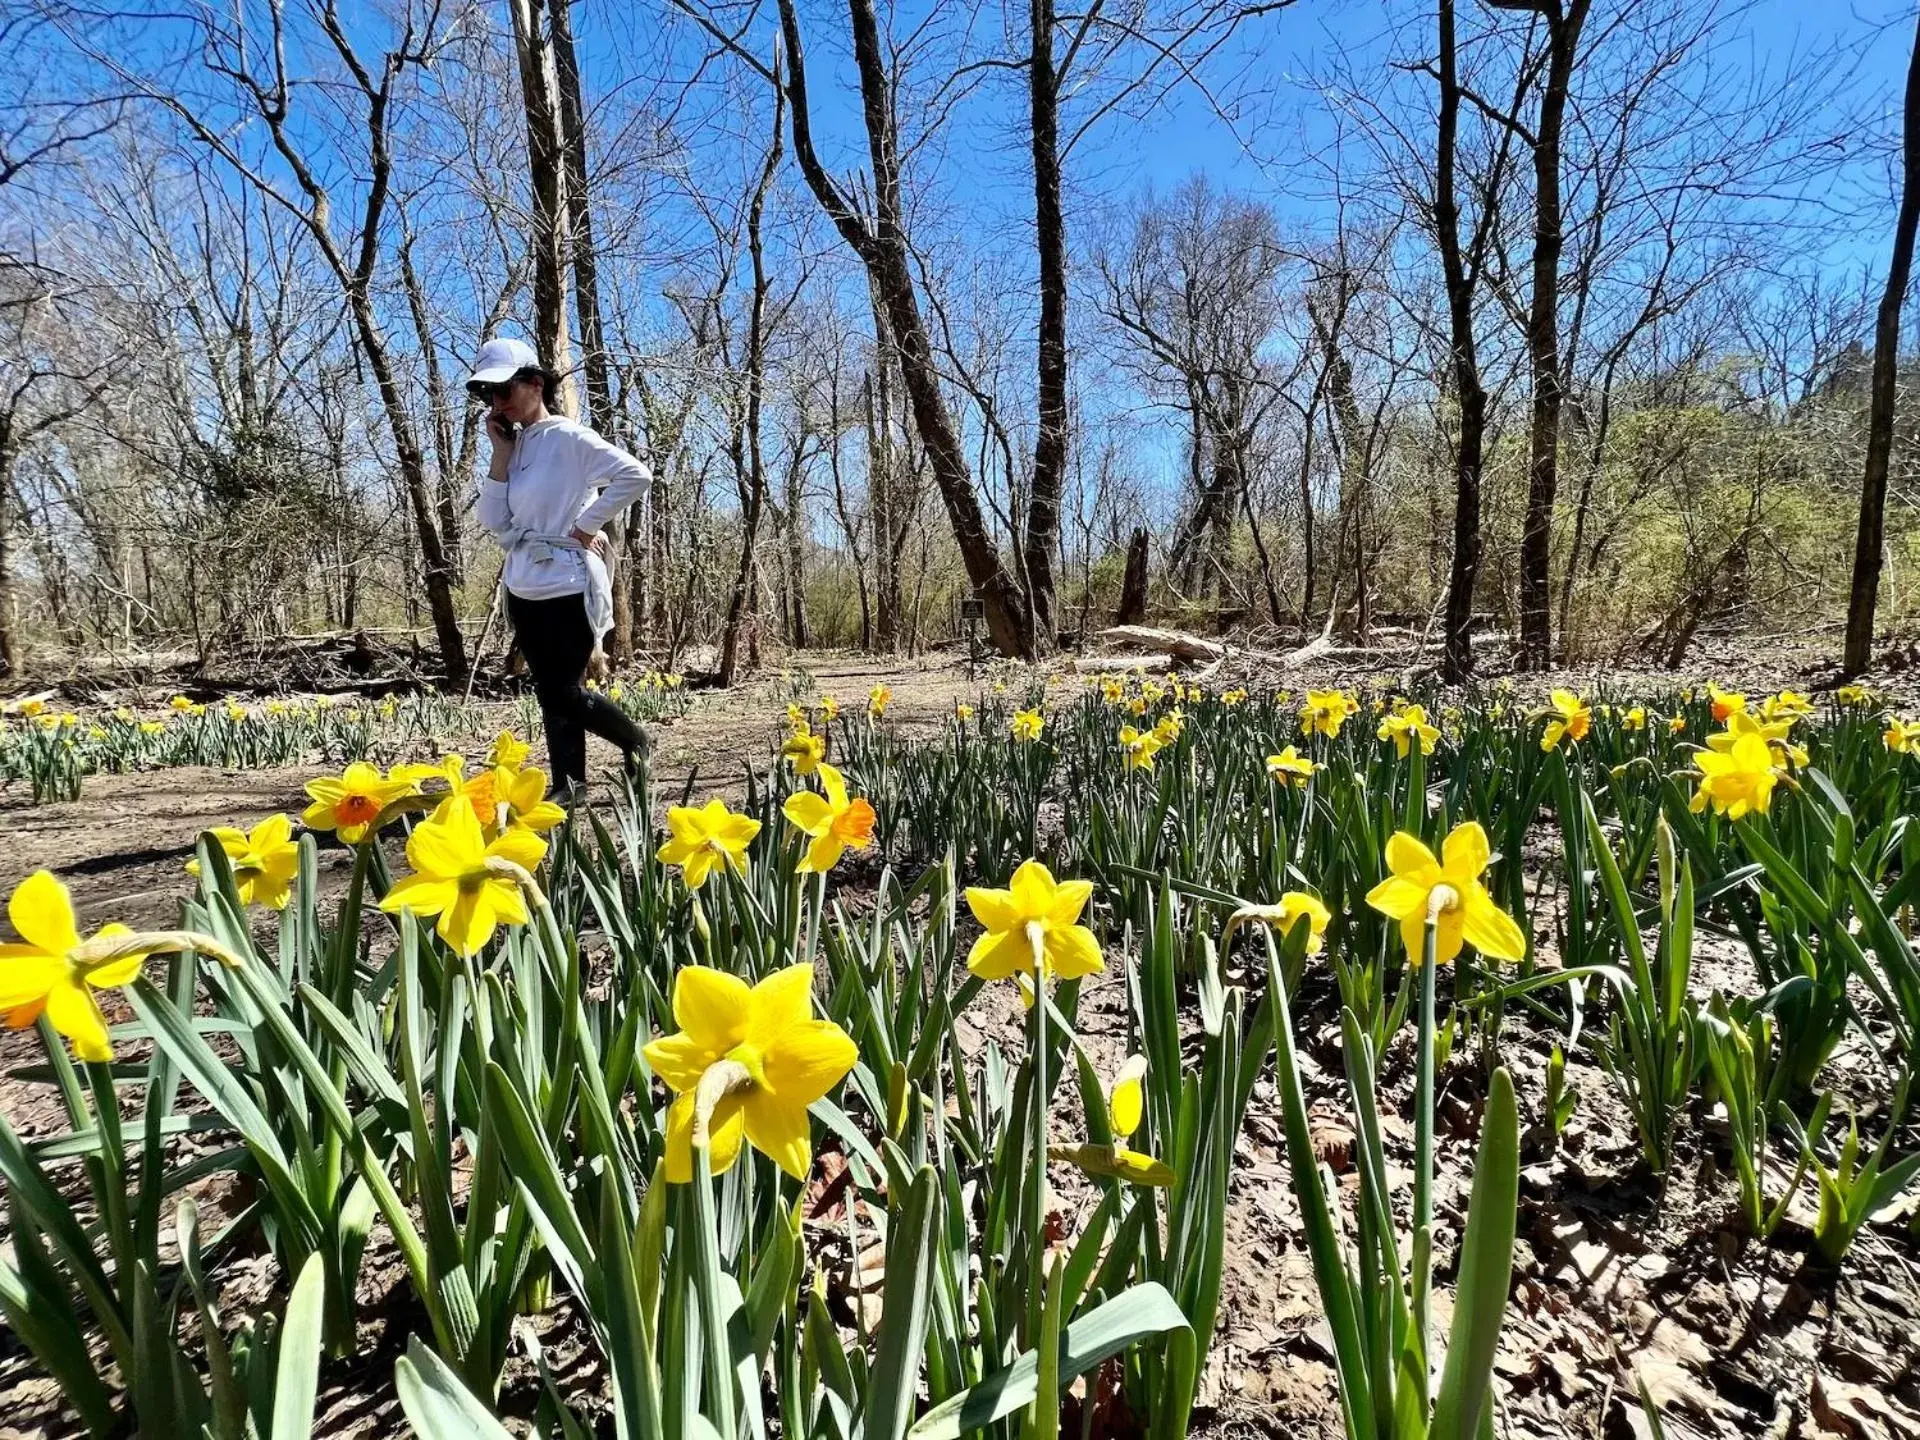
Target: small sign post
[[973, 609]]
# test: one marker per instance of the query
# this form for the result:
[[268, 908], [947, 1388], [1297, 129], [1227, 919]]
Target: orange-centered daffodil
[[834, 822], [1571, 720], [350, 803]]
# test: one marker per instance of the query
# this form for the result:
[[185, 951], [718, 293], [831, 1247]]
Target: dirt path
[[123, 846]]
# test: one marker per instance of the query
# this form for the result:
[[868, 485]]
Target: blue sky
[[1862, 48]]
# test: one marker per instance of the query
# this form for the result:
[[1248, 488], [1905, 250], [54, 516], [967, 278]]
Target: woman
[[539, 501]]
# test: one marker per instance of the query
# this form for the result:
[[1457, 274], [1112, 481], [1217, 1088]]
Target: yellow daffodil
[[833, 821], [1152, 691], [450, 769], [152, 727], [178, 702], [1634, 719], [878, 699], [1137, 749], [1451, 883], [349, 803], [1405, 726], [1739, 779], [453, 880], [1233, 697], [1724, 702], [1290, 767], [1113, 690], [1853, 695], [1776, 734], [42, 974], [264, 859], [829, 707], [804, 751], [1032, 929], [1902, 736], [507, 751], [1027, 724], [1126, 1108], [796, 719], [519, 798], [1168, 729], [1788, 705], [1677, 725], [705, 837], [1298, 905], [1326, 711], [1571, 719], [962, 712], [779, 1060]]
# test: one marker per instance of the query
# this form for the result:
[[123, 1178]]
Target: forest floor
[[1616, 1284]]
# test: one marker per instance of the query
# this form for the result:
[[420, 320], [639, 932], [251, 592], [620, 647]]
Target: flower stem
[[1423, 1125]]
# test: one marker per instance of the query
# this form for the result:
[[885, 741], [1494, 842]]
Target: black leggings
[[556, 640]]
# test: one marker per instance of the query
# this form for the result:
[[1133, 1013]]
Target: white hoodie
[[555, 467]]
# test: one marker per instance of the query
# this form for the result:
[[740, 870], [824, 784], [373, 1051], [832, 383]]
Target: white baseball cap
[[500, 359]]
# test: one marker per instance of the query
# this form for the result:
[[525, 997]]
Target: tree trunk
[[883, 251], [882, 507], [1871, 538], [1050, 443], [446, 499], [9, 631], [1543, 339], [1133, 587], [796, 506], [546, 163], [755, 500], [1472, 398], [601, 412]]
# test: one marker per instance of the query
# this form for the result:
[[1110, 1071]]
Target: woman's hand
[[596, 542]]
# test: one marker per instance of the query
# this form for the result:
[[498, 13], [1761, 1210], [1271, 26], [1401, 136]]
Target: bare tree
[[1197, 294], [752, 470], [353, 259]]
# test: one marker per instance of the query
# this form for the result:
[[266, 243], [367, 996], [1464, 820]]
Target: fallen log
[[1166, 642]]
